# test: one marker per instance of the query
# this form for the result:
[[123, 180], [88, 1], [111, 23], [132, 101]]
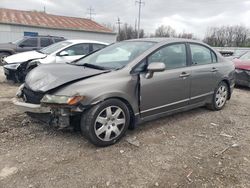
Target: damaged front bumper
[[28, 107], [59, 117], [242, 77]]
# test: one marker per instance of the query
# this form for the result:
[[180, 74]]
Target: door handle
[[184, 75], [214, 69]]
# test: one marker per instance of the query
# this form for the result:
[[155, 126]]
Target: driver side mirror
[[21, 45], [64, 53], [155, 67]]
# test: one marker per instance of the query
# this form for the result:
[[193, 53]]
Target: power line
[[140, 2], [91, 12]]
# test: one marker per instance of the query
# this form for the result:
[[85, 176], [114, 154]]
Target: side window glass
[[30, 42], [214, 57], [141, 67], [98, 46], [174, 56], [78, 49], [58, 40], [200, 55], [45, 42]]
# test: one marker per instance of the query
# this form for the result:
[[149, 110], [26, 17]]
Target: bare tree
[[186, 35], [165, 31], [230, 36], [109, 26], [129, 32]]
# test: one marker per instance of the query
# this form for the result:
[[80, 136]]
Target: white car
[[18, 65]]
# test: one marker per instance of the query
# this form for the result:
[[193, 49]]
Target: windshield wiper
[[95, 66]]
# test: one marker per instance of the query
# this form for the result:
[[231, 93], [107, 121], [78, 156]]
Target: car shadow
[[243, 88]]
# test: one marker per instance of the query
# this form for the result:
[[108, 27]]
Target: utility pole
[[90, 12], [44, 7], [140, 2], [119, 27]]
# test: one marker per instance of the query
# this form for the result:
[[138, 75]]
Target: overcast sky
[[183, 15]]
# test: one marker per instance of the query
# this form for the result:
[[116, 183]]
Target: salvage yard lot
[[190, 149]]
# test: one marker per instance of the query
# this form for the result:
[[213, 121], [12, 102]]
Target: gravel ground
[[199, 148]]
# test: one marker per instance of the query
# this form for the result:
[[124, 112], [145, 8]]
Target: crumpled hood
[[50, 76], [24, 56], [242, 64]]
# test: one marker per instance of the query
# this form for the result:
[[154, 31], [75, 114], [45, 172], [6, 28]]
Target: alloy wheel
[[110, 123], [221, 96]]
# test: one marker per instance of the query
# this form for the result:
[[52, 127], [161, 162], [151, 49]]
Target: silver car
[[128, 83]]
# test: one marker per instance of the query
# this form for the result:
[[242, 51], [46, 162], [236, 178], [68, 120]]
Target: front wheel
[[220, 97], [105, 123]]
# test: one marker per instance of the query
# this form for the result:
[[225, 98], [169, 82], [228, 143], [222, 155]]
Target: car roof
[[166, 40], [76, 41], [44, 36]]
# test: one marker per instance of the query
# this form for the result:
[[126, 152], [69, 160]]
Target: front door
[[170, 89], [28, 45]]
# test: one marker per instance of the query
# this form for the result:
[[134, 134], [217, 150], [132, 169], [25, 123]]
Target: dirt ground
[[199, 148]]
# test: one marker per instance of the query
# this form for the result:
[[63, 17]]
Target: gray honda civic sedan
[[128, 83]]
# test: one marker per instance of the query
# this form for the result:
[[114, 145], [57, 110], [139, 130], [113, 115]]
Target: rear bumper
[[28, 107]]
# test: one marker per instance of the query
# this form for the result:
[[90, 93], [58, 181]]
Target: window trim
[[163, 46], [199, 44]]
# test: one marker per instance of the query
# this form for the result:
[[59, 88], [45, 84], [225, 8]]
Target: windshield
[[17, 41], [117, 55], [245, 56], [54, 47]]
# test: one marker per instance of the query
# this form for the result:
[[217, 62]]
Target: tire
[[220, 97], [105, 123], [2, 56]]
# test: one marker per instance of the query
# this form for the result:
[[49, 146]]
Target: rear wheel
[[105, 123], [2, 56], [220, 97]]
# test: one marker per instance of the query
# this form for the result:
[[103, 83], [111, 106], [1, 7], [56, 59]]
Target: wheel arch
[[127, 103]]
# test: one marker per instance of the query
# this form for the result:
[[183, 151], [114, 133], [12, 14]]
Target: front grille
[[30, 96]]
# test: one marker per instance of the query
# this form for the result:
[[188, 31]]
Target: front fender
[[124, 97]]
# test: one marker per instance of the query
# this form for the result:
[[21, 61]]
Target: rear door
[[204, 72], [74, 52], [170, 89]]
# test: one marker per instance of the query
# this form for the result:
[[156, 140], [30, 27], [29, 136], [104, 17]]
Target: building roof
[[44, 20]]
